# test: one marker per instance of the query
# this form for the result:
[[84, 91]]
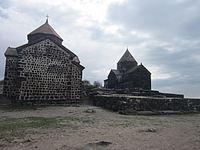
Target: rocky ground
[[93, 128]]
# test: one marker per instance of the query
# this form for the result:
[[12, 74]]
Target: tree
[[97, 84], [86, 83]]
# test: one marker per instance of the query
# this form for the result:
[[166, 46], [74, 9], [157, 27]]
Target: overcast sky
[[163, 35]]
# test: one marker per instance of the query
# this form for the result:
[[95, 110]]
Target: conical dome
[[44, 30], [127, 57], [126, 62]]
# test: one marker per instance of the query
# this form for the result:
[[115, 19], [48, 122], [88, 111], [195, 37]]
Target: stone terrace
[[135, 101]]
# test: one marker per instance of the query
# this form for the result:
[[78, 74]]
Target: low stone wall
[[127, 104], [4, 101], [136, 92], [1, 89], [1, 86]]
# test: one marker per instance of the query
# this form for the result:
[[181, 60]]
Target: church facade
[[43, 70], [128, 75]]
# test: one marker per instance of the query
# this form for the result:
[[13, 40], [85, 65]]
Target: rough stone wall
[[131, 104], [1, 87], [76, 83], [11, 80], [137, 79], [125, 66], [45, 73], [112, 81]]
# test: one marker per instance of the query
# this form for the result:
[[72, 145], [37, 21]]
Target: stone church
[[128, 75], [43, 70]]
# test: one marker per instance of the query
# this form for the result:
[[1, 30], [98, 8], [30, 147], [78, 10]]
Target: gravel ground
[[93, 128]]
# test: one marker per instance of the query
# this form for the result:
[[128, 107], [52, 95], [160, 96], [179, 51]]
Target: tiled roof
[[11, 52], [137, 67], [117, 74], [45, 29]]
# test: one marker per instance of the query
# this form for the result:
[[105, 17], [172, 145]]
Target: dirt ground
[[93, 128]]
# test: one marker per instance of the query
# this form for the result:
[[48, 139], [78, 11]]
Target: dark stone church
[[128, 75], [43, 70]]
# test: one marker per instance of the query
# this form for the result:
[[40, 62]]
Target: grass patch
[[18, 107], [159, 113], [15, 127]]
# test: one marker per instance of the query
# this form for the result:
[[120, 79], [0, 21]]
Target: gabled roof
[[45, 29], [117, 74], [133, 69], [139, 67], [74, 57], [11, 52], [127, 57], [44, 38]]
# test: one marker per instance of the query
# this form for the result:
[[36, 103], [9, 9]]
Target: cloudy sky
[[163, 35]]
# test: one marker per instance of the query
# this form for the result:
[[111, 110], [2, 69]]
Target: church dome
[[127, 57], [126, 62], [44, 30]]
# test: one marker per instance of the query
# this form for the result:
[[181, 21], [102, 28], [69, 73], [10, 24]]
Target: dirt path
[[92, 128]]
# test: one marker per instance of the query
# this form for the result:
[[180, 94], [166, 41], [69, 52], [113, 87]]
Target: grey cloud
[[189, 90], [4, 3], [122, 37], [3, 14], [181, 63], [173, 25], [161, 18], [3, 47], [170, 24]]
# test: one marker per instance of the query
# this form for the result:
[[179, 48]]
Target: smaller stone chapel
[[128, 75], [43, 70]]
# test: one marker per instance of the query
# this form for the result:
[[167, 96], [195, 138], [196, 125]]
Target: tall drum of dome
[[43, 70]]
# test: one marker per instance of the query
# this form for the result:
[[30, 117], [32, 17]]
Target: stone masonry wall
[[76, 83], [1, 87], [131, 104], [47, 73], [11, 81]]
